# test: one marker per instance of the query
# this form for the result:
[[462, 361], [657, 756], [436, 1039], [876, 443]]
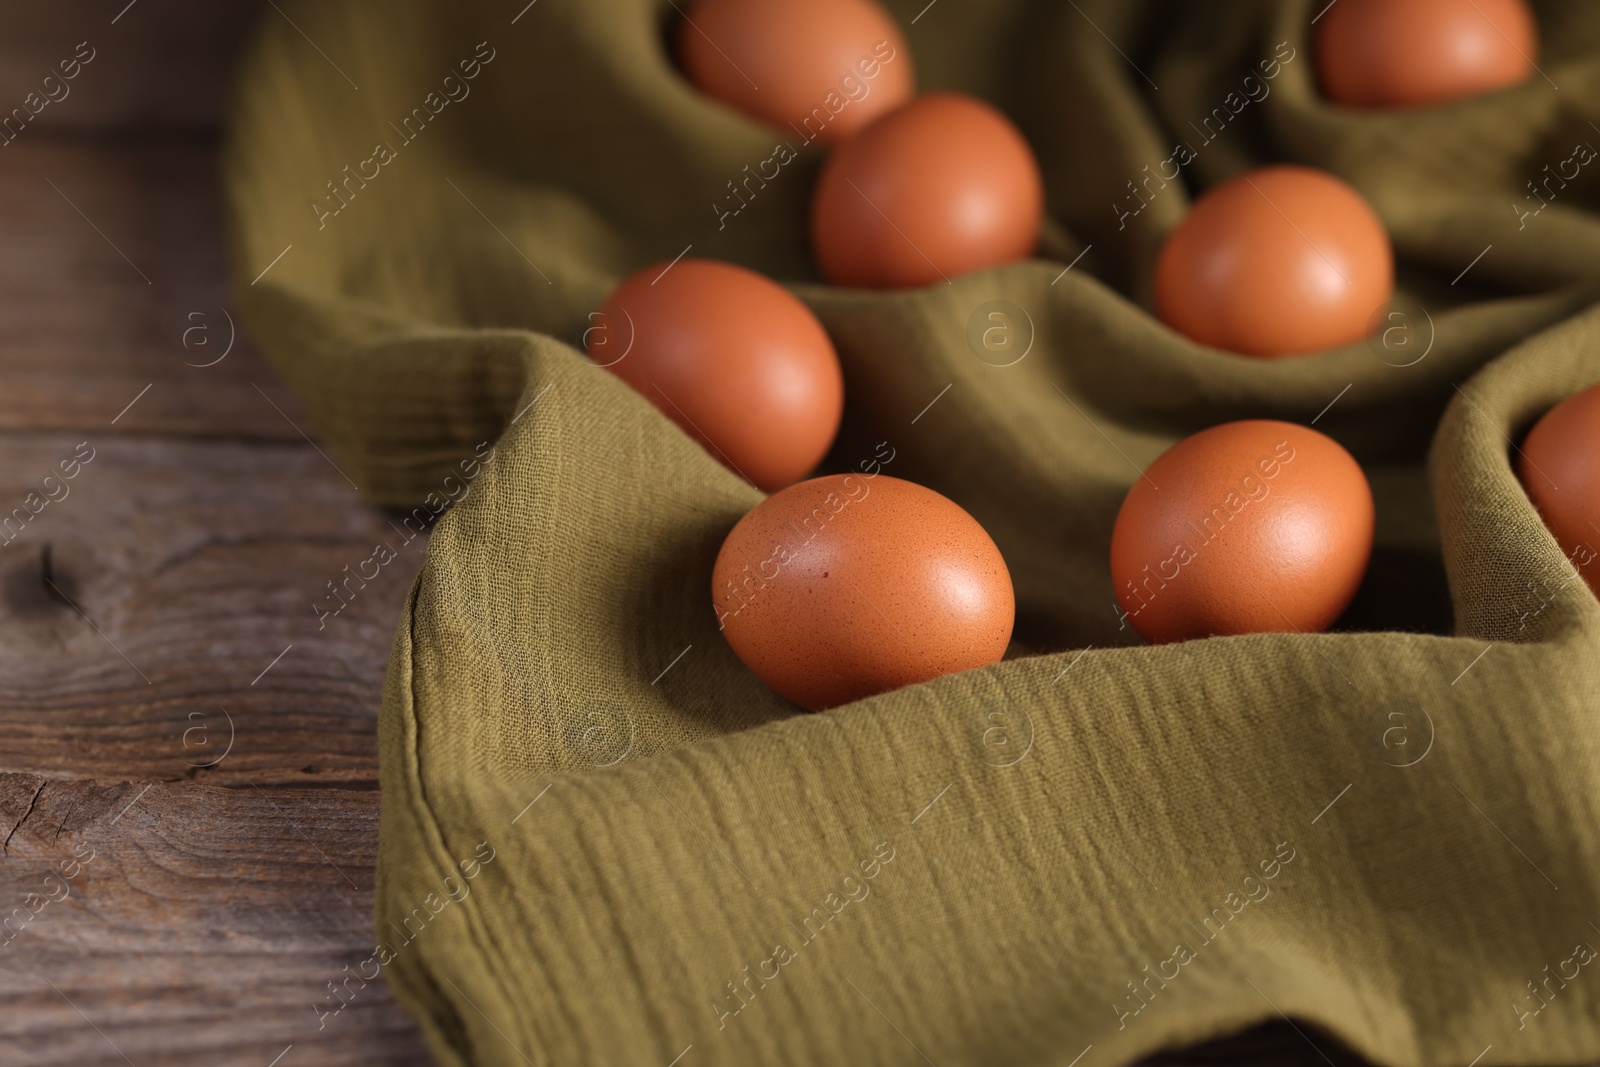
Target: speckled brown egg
[[1412, 53], [1248, 527], [1279, 261], [848, 585], [1559, 466]]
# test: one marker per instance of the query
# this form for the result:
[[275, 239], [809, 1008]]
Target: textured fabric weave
[[604, 841]]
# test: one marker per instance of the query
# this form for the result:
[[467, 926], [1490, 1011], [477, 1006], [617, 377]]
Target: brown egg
[[819, 69], [849, 585], [1248, 527], [1409, 53], [942, 187], [734, 359], [1280, 261], [1559, 465]]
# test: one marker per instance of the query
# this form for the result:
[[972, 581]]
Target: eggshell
[[734, 359], [847, 585], [944, 186], [816, 69], [1559, 466], [1411, 53], [1279, 261], [1248, 527]]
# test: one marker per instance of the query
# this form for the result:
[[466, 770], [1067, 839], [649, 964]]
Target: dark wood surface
[[201, 926], [86, 220], [188, 804], [170, 702]]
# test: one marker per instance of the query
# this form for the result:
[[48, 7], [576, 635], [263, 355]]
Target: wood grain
[[140, 612], [114, 280], [203, 927], [157, 63]]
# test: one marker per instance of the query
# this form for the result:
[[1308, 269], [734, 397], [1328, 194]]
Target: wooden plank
[[156, 602], [157, 63], [199, 926], [116, 293]]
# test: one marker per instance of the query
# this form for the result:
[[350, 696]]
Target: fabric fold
[[604, 841]]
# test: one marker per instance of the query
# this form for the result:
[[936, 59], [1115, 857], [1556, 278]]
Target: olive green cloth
[[605, 842]]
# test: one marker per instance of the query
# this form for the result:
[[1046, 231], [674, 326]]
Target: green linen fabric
[[605, 842]]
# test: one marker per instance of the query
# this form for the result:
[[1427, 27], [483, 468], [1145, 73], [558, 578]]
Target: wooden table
[[172, 719], [188, 760]]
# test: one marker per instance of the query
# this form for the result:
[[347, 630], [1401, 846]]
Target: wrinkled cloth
[[605, 842]]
